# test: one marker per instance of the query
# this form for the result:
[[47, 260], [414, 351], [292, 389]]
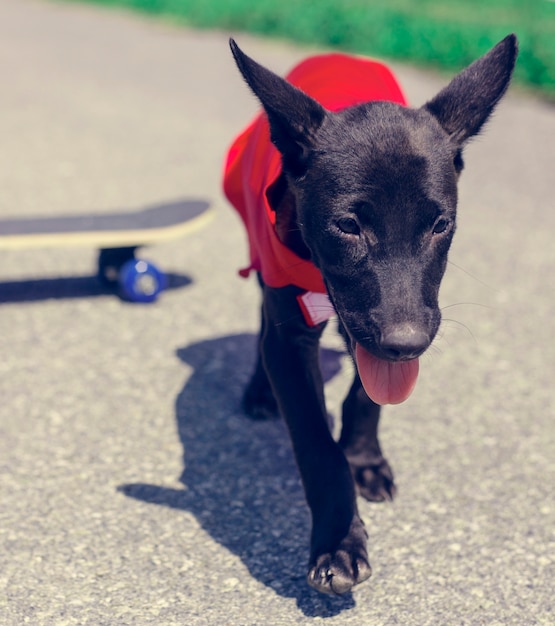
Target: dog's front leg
[[359, 441], [290, 352]]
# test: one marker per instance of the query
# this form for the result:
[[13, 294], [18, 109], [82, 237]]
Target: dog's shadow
[[241, 481]]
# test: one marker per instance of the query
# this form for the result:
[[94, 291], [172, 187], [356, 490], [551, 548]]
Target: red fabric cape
[[253, 164]]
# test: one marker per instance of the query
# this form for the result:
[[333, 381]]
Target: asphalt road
[[133, 491]]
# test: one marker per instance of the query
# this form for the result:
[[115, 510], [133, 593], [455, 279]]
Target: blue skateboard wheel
[[141, 281]]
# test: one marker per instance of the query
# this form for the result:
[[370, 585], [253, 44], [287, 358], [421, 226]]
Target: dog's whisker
[[461, 325], [472, 276], [431, 352], [434, 348], [480, 304]]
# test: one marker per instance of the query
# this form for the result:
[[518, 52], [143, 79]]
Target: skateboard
[[117, 236]]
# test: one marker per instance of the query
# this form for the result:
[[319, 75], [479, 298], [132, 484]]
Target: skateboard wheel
[[141, 281]]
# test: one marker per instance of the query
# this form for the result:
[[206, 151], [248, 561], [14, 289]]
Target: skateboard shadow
[[240, 478], [69, 288]]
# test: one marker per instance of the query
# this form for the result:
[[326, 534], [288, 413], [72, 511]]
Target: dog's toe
[[338, 573], [375, 482]]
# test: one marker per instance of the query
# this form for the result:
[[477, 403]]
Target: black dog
[[367, 194]]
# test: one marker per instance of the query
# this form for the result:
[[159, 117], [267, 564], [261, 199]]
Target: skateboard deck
[[110, 230], [117, 235]]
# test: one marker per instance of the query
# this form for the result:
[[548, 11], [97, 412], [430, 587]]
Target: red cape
[[253, 164]]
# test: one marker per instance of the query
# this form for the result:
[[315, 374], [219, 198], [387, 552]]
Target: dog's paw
[[375, 481], [339, 571], [259, 403]]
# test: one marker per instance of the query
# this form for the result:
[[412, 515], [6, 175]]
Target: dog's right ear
[[294, 117], [466, 103]]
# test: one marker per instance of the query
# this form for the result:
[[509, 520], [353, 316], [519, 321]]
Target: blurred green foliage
[[442, 33]]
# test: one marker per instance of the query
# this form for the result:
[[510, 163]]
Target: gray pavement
[[132, 489]]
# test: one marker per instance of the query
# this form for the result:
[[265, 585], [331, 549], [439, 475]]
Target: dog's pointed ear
[[466, 103], [294, 117]]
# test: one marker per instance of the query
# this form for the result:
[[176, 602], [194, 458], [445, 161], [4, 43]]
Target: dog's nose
[[404, 342]]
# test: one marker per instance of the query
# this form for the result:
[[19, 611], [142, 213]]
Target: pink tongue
[[385, 382]]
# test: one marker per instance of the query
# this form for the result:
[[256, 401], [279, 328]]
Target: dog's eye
[[348, 225], [440, 226]]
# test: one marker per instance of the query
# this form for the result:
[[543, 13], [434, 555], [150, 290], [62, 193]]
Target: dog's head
[[375, 196]]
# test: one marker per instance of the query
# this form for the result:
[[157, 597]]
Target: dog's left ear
[[466, 103], [294, 117]]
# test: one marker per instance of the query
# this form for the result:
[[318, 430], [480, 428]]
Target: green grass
[[440, 33]]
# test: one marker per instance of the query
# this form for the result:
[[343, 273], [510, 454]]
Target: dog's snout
[[404, 342]]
